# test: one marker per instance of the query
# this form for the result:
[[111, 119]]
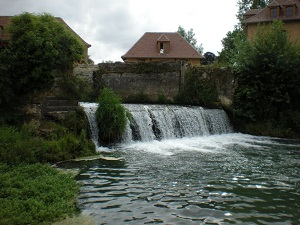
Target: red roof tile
[[263, 16], [146, 47]]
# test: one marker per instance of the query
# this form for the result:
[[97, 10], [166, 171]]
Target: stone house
[[4, 37], [162, 47], [288, 11]]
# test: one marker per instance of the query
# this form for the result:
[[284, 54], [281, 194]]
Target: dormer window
[[163, 44], [273, 12], [289, 11]]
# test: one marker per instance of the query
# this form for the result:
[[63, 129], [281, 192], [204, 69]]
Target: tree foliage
[[268, 75], [229, 44], [189, 36], [39, 44], [209, 58]]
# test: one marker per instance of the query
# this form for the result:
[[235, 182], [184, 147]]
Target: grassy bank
[[31, 191], [35, 194]]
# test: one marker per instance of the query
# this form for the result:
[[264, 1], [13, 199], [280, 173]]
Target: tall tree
[[230, 44], [190, 37], [39, 45]]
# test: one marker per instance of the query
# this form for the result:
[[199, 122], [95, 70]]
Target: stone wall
[[85, 72], [155, 80], [133, 81]]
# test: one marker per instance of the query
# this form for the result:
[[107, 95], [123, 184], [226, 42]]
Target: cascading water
[[159, 122], [90, 111]]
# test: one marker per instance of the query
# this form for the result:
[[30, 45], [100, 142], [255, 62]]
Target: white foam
[[206, 144]]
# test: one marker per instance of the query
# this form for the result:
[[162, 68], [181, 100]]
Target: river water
[[215, 179]]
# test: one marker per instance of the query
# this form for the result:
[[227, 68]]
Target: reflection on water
[[220, 179]]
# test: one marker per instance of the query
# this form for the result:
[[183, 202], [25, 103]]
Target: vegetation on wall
[[199, 88], [111, 117], [72, 87], [267, 69]]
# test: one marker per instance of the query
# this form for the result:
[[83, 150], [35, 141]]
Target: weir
[[160, 122]]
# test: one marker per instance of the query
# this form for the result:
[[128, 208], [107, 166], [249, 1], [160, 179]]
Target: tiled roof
[[253, 11], [146, 47], [4, 20], [263, 16], [163, 37]]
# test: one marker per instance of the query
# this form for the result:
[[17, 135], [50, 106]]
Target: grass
[[35, 194]]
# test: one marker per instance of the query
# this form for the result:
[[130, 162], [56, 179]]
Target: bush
[[111, 117], [35, 194]]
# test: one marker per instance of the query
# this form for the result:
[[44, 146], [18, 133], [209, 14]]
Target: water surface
[[217, 179]]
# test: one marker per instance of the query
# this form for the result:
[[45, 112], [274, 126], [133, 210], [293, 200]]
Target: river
[[213, 179]]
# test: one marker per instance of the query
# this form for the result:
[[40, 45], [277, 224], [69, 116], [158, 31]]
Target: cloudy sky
[[113, 26]]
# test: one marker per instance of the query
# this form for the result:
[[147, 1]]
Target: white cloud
[[113, 26]]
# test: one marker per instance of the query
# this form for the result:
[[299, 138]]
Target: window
[[162, 48], [273, 12], [289, 11]]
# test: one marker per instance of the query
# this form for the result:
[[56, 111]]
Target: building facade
[[287, 11]]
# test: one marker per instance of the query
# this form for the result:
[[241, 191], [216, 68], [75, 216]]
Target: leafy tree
[[189, 36], [230, 44], [268, 73], [38, 46], [209, 58]]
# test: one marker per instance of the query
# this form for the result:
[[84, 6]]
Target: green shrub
[[111, 117], [35, 194]]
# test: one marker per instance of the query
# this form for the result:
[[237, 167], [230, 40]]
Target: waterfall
[[158, 122], [90, 111]]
